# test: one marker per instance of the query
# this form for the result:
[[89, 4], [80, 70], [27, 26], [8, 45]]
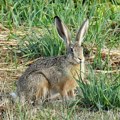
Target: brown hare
[[57, 74]]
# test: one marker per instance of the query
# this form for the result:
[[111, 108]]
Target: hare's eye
[[71, 49]]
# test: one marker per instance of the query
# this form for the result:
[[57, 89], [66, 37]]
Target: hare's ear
[[81, 32], [62, 30]]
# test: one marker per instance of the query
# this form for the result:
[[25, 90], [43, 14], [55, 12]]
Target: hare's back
[[41, 66]]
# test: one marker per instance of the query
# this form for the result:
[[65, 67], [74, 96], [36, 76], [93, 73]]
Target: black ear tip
[[88, 17], [56, 17]]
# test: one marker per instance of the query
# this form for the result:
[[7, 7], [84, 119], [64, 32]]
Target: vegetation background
[[27, 32]]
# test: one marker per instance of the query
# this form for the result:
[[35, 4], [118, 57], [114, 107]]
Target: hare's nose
[[80, 60]]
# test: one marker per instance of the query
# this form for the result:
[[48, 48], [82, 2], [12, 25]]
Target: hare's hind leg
[[39, 87], [42, 90]]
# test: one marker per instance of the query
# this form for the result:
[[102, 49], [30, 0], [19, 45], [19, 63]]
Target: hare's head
[[74, 50]]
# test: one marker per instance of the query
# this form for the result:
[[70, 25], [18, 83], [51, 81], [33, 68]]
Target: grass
[[52, 112], [31, 26], [35, 46], [103, 30], [99, 94]]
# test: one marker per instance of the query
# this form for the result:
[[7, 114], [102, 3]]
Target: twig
[[13, 43], [5, 69], [103, 71], [108, 52]]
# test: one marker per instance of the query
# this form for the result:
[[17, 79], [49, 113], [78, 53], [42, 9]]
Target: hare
[[57, 74]]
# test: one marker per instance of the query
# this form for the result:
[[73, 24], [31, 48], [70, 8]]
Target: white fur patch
[[14, 96]]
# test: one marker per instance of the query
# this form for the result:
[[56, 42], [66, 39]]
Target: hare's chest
[[75, 71]]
